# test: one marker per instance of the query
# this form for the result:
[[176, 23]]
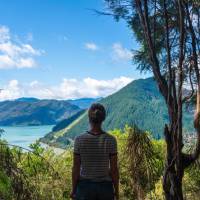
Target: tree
[[168, 32], [141, 161], [145, 163], [2, 131]]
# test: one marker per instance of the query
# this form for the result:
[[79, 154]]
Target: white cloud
[[11, 91], [67, 89], [121, 53], [14, 54], [4, 33], [91, 46]]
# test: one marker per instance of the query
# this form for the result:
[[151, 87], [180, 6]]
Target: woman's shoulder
[[82, 136], [110, 136], [86, 135]]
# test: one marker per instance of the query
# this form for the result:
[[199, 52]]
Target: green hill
[[83, 103], [26, 111], [139, 103]]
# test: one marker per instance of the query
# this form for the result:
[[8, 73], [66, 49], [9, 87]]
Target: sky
[[62, 49]]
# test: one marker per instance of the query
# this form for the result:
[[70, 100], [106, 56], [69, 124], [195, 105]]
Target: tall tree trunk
[[173, 174]]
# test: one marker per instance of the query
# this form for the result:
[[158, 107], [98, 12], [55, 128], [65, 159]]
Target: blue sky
[[61, 49]]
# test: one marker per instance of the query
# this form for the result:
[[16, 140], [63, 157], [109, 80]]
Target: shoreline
[[56, 150]]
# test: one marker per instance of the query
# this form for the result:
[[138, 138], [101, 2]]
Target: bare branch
[[179, 141], [155, 64], [102, 12], [196, 152], [187, 98]]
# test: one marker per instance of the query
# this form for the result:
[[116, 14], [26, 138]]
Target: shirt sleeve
[[113, 147], [77, 146]]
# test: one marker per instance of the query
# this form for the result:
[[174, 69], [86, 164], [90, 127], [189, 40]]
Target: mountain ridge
[[27, 111], [43, 112]]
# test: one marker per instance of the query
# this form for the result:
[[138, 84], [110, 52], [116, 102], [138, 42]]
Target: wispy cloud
[[29, 37], [121, 53], [62, 38], [91, 46], [15, 54], [66, 89]]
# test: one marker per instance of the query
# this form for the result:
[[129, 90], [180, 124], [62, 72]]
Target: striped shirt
[[95, 152]]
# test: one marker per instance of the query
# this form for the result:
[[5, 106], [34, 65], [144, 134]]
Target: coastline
[[56, 150]]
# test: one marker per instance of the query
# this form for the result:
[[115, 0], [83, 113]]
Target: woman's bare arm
[[115, 174], [75, 172]]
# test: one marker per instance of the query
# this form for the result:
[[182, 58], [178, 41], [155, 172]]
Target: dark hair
[[96, 113]]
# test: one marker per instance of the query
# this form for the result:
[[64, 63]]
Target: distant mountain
[[31, 111], [66, 122], [27, 99], [61, 127], [83, 102], [139, 103]]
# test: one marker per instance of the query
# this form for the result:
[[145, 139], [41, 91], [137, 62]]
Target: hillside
[[83, 102], [27, 111], [139, 103]]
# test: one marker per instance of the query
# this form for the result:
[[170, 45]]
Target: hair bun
[[97, 113]]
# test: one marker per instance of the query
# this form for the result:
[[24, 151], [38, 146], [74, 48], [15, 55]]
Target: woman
[[95, 173]]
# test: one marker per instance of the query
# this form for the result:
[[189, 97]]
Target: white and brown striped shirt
[[95, 152]]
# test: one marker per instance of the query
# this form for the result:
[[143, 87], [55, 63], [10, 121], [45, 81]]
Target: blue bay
[[24, 135]]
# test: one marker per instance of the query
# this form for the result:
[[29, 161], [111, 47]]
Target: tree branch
[[178, 135], [196, 152], [155, 64], [187, 98]]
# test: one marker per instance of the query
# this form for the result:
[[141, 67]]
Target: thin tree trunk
[[172, 183]]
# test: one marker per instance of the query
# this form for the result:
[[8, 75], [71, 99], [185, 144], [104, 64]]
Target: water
[[24, 135]]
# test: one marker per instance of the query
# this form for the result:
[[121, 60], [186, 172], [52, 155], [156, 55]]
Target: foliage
[[2, 131], [49, 175], [140, 161], [13, 177], [192, 181], [35, 174], [5, 186], [48, 172], [145, 165]]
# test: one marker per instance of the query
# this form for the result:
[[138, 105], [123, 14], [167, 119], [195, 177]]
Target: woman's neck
[[96, 129]]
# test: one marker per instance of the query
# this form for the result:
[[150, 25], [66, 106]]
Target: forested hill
[[32, 111], [139, 103], [83, 103], [28, 111]]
